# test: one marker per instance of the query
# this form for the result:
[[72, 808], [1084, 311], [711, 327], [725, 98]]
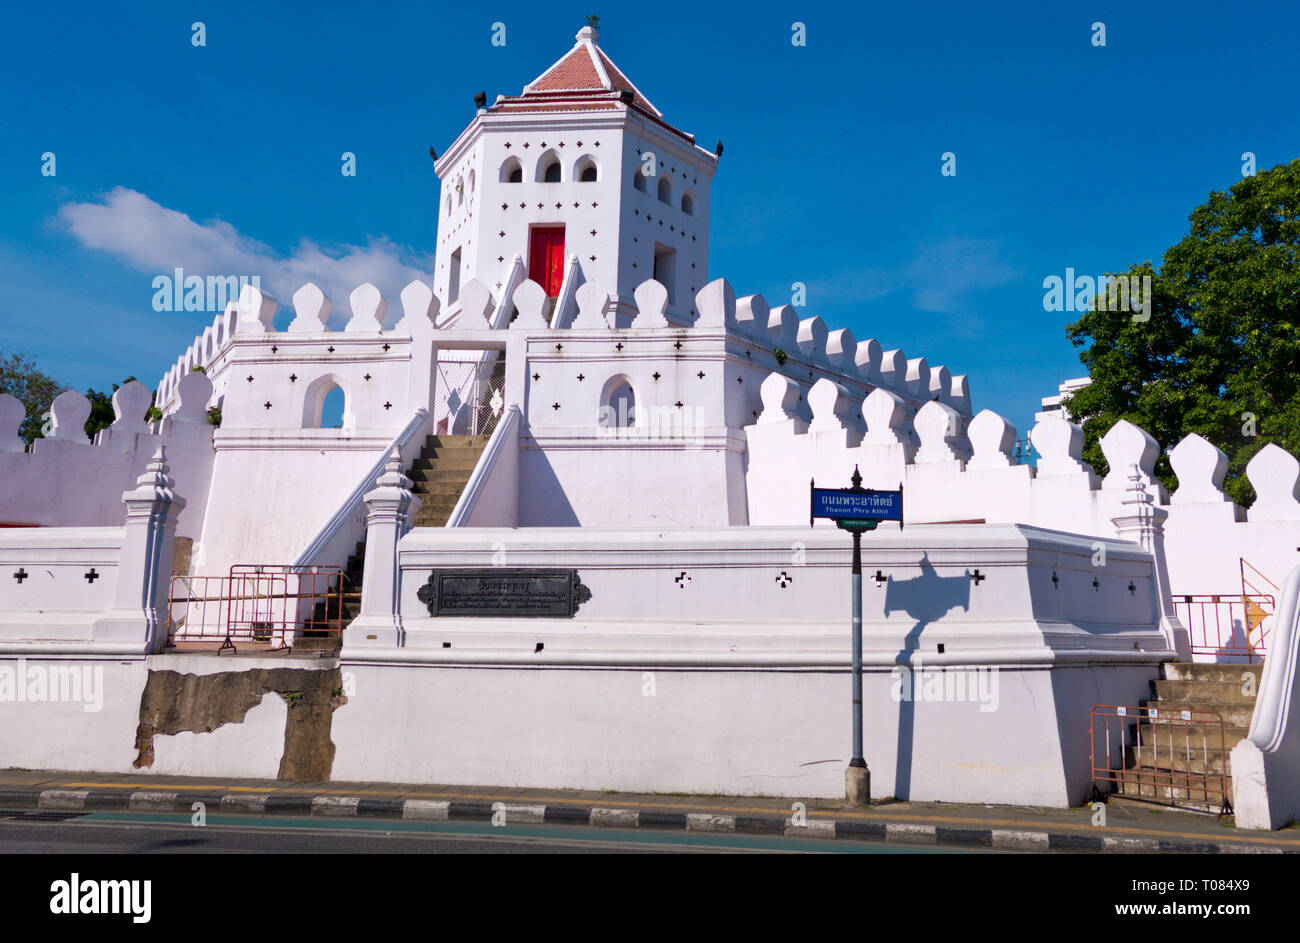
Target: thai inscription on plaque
[[504, 592]]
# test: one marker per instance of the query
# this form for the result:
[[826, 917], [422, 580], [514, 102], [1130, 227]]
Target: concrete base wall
[[93, 732], [760, 732], [783, 733]]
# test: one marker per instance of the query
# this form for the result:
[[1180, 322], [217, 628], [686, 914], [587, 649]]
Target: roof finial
[[590, 32]]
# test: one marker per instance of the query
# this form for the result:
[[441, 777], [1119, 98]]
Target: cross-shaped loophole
[[681, 580], [784, 579]]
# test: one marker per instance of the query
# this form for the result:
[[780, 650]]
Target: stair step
[[466, 460], [1184, 671], [1201, 694], [1179, 732], [441, 476], [1205, 798], [1233, 715], [447, 445], [1198, 761], [432, 503], [443, 439], [438, 494]]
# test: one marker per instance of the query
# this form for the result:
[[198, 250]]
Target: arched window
[[585, 170], [622, 405], [471, 183], [460, 191], [512, 171], [618, 404], [548, 168], [688, 204], [332, 406], [638, 180], [665, 190], [325, 405]]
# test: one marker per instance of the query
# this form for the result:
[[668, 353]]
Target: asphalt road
[[131, 833]]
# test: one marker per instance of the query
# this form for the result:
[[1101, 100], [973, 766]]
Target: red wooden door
[[546, 258]]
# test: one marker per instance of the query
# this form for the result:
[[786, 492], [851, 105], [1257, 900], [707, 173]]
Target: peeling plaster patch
[[227, 721], [250, 747]]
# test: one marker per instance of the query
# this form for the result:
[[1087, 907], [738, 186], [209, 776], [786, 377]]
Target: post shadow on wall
[[926, 598]]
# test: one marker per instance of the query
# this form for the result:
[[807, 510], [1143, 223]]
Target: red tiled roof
[[574, 71], [586, 68], [621, 82]]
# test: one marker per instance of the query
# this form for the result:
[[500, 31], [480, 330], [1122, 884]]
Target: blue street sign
[[847, 504]]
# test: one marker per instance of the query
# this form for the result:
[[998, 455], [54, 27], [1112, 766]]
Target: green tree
[[20, 377], [101, 408], [1219, 354]]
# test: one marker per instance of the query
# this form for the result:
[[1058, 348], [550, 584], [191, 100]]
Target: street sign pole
[[856, 509], [858, 762]]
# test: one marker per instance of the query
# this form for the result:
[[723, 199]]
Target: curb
[[508, 813]]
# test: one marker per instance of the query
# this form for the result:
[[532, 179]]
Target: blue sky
[[1067, 155]]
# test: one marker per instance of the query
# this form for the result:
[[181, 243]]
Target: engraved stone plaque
[[504, 592]]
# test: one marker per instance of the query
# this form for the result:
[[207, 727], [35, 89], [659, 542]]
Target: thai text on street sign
[[856, 505]]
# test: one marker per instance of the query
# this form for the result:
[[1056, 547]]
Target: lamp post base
[[857, 785]]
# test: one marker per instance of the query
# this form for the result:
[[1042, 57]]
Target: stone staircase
[[440, 474], [438, 477], [1166, 757]]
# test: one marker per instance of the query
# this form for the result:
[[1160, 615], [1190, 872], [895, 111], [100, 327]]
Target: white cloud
[[940, 278], [154, 239], [943, 276]]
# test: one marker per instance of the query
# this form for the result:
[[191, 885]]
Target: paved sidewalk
[[1130, 826]]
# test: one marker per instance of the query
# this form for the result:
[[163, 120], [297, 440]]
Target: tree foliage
[[101, 408], [20, 378], [1220, 351]]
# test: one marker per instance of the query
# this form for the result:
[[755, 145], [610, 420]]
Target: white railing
[[347, 511], [506, 431], [501, 316], [1266, 765], [564, 312], [1276, 684]]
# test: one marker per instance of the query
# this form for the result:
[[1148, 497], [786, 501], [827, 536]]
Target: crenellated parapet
[[752, 338], [605, 389], [66, 479], [971, 473]]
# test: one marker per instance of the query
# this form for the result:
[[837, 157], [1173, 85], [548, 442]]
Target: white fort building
[[561, 537]]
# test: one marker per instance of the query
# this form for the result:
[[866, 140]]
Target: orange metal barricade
[[1226, 625], [255, 607], [1172, 755]]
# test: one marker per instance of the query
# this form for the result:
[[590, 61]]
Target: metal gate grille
[[471, 395]]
